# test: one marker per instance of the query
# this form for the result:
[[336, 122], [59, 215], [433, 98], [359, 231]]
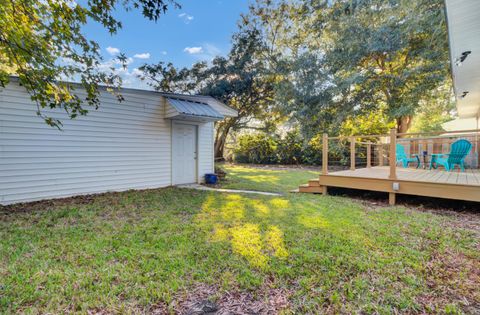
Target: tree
[[435, 111], [42, 42], [240, 80], [392, 54], [369, 55]]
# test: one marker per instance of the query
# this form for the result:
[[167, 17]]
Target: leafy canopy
[[344, 58], [42, 42]]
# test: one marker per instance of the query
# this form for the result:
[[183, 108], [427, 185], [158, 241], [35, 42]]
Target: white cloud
[[205, 52], [112, 50], [185, 17], [193, 50], [163, 52], [142, 56]]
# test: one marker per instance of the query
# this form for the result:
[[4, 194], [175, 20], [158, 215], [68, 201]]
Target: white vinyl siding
[[120, 146], [205, 150], [170, 111]]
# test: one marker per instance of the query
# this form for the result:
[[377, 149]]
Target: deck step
[[310, 189], [314, 182]]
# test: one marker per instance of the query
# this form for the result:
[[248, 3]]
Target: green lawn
[[254, 178], [158, 250]]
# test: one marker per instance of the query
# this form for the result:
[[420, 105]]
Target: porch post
[[393, 157], [325, 154], [392, 198], [380, 154], [324, 161], [369, 155], [352, 153]]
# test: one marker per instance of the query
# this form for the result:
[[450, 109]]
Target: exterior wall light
[[461, 59]]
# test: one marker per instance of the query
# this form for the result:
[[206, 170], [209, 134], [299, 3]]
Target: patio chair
[[404, 158], [458, 151]]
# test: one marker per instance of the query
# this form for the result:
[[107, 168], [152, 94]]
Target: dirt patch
[[460, 214], [453, 277], [49, 204], [267, 300]]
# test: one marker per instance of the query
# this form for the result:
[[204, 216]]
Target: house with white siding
[[149, 140]]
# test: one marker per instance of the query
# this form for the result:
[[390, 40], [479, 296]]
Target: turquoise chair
[[404, 158], [458, 151]]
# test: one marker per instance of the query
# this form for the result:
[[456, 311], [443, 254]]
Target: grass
[[261, 179], [136, 252]]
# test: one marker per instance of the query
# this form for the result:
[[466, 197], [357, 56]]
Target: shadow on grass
[[411, 201], [127, 251], [271, 180]]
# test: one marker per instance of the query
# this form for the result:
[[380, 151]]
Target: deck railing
[[380, 150]]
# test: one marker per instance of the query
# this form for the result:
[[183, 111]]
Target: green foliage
[[390, 54], [312, 152], [342, 59], [42, 42], [434, 112], [290, 148], [372, 123], [256, 148]]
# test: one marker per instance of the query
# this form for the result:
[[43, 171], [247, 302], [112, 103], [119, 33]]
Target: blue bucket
[[211, 179]]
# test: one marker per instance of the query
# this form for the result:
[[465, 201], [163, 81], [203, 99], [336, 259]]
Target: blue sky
[[199, 30]]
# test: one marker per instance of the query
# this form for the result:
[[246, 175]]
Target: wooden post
[[324, 160], [380, 154], [324, 190], [325, 154], [391, 198], [352, 153], [369, 155], [393, 157]]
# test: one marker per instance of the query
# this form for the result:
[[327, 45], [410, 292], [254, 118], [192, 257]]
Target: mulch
[[464, 214], [209, 299]]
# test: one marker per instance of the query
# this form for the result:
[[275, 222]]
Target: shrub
[[262, 148], [312, 152], [290, 148], [255, 148]]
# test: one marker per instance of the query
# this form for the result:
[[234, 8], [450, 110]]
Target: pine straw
[[452, 276], [267, 300]]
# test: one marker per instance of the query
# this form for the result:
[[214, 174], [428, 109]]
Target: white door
[[184, 147]]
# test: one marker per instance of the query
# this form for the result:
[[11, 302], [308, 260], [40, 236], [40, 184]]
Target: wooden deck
[[430, 183], [469, 177]]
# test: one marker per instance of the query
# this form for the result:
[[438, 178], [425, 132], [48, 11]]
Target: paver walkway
[[201, 187]]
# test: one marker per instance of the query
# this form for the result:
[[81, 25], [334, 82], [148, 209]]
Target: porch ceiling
[[464, 35]]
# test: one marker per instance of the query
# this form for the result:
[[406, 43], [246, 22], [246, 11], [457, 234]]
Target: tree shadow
[[263, 229], [411, 201]]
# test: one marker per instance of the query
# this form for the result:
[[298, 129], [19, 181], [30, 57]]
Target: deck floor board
[[470, 177]]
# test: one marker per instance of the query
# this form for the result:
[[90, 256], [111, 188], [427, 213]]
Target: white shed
[[149, 140]]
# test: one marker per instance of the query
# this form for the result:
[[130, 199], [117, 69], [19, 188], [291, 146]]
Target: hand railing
[[375, 145]]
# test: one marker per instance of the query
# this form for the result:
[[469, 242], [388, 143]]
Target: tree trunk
[[221, 139], [404, 123]]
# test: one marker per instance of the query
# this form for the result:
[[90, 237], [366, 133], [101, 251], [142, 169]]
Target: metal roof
[[194, 108], [211, 101], [216, 104]]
